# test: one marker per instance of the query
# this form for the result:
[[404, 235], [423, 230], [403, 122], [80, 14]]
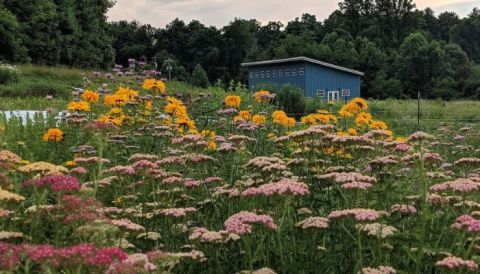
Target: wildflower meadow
[[135, 178]]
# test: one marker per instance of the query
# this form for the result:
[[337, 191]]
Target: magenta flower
[[56, 183]]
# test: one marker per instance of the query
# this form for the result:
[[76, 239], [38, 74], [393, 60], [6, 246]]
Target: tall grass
[[40, 81]]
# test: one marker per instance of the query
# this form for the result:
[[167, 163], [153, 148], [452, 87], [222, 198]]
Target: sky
[[219, 13]]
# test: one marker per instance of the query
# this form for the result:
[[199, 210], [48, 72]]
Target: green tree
[[420, 63], [11, 47], [39, 29], [467, 35], [199, 77]]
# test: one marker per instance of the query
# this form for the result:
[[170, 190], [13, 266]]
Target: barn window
[[274, 73], [280, 73], [294, 72], [263, 74], [345, 92], [287, 72], [251, 74], [321, 93], [268, 74], [300, 71], [257, 74]]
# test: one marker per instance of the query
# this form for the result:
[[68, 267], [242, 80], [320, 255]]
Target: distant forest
[[401, 49]]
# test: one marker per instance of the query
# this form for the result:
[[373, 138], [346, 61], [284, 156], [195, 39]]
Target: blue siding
[[315, 77], [323, 78], [297, 79]]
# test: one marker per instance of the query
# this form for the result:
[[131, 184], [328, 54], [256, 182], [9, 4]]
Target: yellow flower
[[363, 119], [259, 119], [90, 96], [271, 136], [401, 139], [114, 100], [352, 132], [175, 107], [116, 111], [232, 101], [262, 96], [358, 104], [378, 125], [158, 85], [309, 120], [79, 106], [53, 134], [127, 93], [278, 116], [345, 112], [323, 111], [148, 105], [238, 119], [245, 114], [70, 163], [6, 195], [289, 122], [185, 122]]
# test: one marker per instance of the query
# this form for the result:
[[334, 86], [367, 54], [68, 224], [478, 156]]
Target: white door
[[333, 95]]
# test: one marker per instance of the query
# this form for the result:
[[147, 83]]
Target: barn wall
[[314, 78], [323, 78], [297, 80]]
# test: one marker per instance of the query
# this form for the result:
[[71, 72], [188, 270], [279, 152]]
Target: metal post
[[169, 68], [418, 111]]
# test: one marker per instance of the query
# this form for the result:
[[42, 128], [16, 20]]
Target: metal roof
[[302, 59]]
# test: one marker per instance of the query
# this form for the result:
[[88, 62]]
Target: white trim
[[333, 95]]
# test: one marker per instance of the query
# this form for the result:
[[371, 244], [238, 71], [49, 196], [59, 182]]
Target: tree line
[[401, 49]]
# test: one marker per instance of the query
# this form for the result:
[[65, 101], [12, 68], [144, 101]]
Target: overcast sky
[[219, 12]]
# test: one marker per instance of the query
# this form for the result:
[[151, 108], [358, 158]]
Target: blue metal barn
[[316, 78]]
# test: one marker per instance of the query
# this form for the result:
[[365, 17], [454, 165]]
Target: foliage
[[9, 74], [42, 81], [291, 99], [199, 77], [157, 184]]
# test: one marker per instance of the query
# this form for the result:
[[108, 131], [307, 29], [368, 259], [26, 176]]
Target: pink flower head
[[359, 214], [403, 209], [283, 187], [467, 222], [177, 212], [56, 183], [453, 262], [241, 223]]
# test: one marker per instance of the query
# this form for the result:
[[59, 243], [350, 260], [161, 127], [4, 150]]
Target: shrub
[[199, 77], [9, 73], [291, 99]]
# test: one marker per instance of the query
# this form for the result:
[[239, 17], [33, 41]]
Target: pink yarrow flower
[[241, 223], [453, 262], [56, 183], [359, 214], [283, 187]]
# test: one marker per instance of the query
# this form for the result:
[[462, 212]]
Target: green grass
[[40, 81], [402, 115]]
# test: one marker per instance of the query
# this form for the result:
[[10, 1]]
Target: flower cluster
[[241, 223], [359, 214]]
